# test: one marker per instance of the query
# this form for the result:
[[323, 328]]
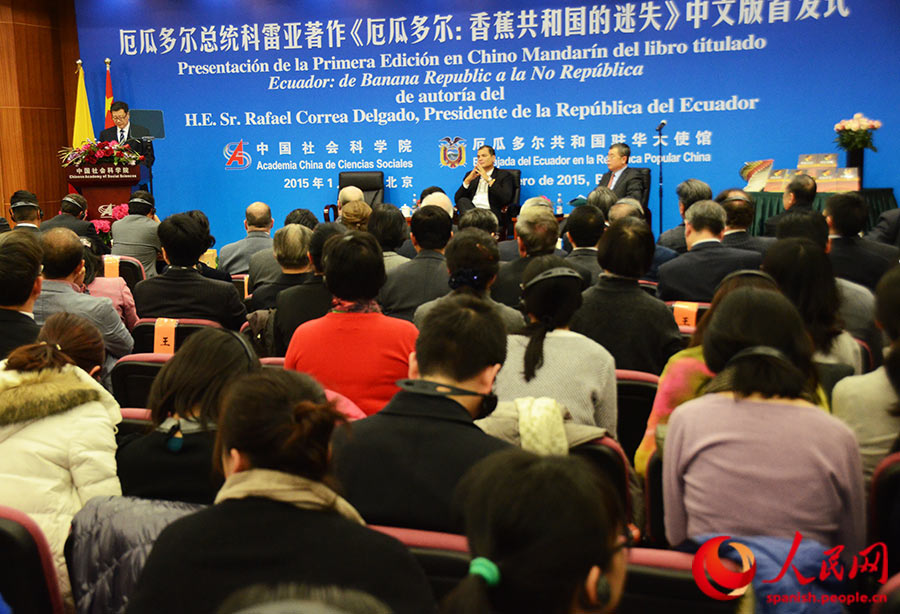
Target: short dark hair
[[20, 265], [706, 215], [141, 208], [586, 225], [690, 191], [73, 204], [848, 212], [304, 217], [281, 420], [118, 105], [204, 221], [388, 226], [63, 252], [354, 266], [804, 224], [317, 242], [622, 149], [749, 317], [603, 198], [430, 190], [191, 385], [740, 209], [183, 238], [24, 214], [803, 187], [459, 338], [538, 229], [489, 148], [485, 219], [431, 226], [473, 259], [627, 248]]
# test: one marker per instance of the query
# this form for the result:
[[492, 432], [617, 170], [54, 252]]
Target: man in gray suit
[[135, 234], [584, 228], [234, 258], [423, 278]]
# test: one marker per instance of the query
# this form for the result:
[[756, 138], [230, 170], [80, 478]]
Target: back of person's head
[[258, 215], [21, 255], [183, 238], [141, 203], [603, 198], [803, 187], [92, 265], [430, 190], [279, 419], [204, 222], [301, 599], [743, 278], [887, 312], [706, 215], [756, 344], [355, 214], [537, 201], [805, 275], [73, 204], [804, 224], [431, 226], [485, 219], [848, 212], [551, 294], [473, 260], [626, 248], [542, 523], [538, 230], [459, 338], [291, 246], [438, 199], [626, 207], [191, 385], [354, 266], [388, 226], [24, 206], [65, 339], [63, 252], [691, 191], [349, 193], [586, 225], [740, 209], [317, 242], [302, 216]]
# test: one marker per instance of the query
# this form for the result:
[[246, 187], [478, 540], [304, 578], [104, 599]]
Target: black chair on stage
[[370, 182]]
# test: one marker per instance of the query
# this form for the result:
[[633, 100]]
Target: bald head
[[439, 199], [63, 253], [258, 216], [349, 194]]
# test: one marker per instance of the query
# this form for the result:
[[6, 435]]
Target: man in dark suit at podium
[[624, 181], [125, 132]]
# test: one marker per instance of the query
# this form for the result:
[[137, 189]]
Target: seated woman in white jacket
[[57, 429]]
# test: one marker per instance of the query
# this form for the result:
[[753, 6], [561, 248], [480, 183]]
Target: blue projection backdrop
[[270, 100]]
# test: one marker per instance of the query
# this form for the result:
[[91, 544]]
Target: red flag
[[109, 98]]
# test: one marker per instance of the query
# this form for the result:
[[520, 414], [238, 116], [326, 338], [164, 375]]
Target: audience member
[[26, 212], [473, 262], [291, 248], [859, 260], [400, 466], [73, 215], [355, 349], [584, 227], [661, 254], [205, 269], [174, 461], [264, 269], [57, 442], [755, 419], [740, 212], [20, 285], [869, 403], [689, 192], [113, 288], [355, 214], [538, 553], [693, 276], [295, 598], [423, 278], [311, 299], [603, 198], [182, 292], [347, 194], [388, 226], [887, 229], [558, 363], [135, 234], [636, 328], [797, 197], [435, 198], [4, 225], [234, 258], [483, 219], [275, 519]]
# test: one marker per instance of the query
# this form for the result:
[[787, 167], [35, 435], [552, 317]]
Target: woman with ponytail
[[549, 360], [57, 429], [546, 536], [754, 456], [276, 519], [870, 403]]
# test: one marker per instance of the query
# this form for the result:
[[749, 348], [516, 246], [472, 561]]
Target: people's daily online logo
[[237, 158], [709, 566]]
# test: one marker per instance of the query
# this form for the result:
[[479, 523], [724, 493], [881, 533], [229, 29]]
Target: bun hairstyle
[[65, 339], [281, 420], [473, 260], [506, 500]]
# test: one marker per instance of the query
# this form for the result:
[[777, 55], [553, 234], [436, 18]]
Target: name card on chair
[[110, 266], [685, 313], [164, 335]]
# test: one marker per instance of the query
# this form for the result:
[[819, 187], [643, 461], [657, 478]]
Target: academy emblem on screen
[[453, 151], [238, 159], [708, 566]]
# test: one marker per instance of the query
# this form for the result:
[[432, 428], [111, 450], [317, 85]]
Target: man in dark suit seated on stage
[[689, 191], [629, 207], [182, 292], [624, 181], [126, 133], [694, 276], [20, 285], [26, 212], [486, 186], [859, 260], [401, 466], [798, 197], [584, 228], [740, 211], [73, 214]]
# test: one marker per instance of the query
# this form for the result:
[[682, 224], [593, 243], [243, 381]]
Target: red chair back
[[133, 375], [884, 497], [635, 391], [607, 456], [29, 583], [128, 268], [655, 533], [144, 330]]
